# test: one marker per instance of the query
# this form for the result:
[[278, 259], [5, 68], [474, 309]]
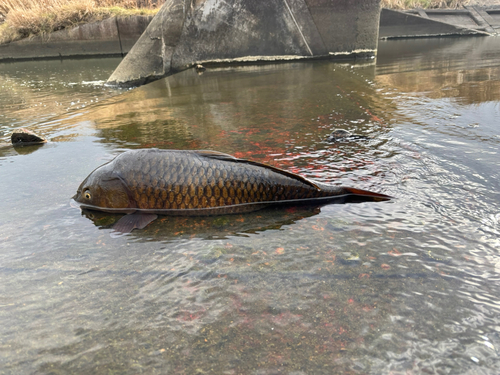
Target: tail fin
[[359, 195]]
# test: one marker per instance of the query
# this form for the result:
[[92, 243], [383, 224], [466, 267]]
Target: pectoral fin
[[132, 221]]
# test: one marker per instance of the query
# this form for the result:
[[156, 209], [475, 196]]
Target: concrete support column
[[188, 32]]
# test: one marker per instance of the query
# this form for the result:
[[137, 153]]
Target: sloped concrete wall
[[113, 36], [187, 32], [397, 24]]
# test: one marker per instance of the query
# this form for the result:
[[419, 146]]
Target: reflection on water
[[175, 227], [406, 286], [266, 113], [464, 69], [32, 93]]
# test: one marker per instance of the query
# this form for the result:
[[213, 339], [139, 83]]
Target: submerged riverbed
[[409, 286]]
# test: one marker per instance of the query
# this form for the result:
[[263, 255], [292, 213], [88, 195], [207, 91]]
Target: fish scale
[[197, 182], [229, 186]]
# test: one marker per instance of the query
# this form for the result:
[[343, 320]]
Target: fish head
[[104, 189]]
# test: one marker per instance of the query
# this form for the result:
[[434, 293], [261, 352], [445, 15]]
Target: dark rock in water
[[23, 137], [341, 135]]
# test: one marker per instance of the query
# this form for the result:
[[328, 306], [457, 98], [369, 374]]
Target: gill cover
[[104, 189]]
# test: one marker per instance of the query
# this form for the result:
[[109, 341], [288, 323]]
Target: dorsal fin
[[215, 155], [226, 157]]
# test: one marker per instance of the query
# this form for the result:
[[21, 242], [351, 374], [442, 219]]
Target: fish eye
[[87, 194]]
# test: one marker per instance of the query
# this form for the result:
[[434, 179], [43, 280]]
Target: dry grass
[[412, 4], [24, 18]]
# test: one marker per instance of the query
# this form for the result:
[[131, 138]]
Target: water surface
[[408, 286]]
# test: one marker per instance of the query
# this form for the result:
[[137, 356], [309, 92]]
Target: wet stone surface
[[23, 137]]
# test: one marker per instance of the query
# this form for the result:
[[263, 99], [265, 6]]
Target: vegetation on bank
[[412, 4], [24, 18]]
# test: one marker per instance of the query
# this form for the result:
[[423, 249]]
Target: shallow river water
[[406, 286]]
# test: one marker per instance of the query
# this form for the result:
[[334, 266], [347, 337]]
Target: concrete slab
[[492, 16], [346, 25], [397, 24], [461, 18]]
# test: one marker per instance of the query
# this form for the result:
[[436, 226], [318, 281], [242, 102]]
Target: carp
[[145, 183]]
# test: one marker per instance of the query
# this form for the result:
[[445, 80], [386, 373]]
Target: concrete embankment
[[470, 20], [112, 37]]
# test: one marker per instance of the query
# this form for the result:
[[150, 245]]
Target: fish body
[[174, 182]]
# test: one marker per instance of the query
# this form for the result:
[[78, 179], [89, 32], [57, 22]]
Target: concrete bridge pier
[[189, 32]]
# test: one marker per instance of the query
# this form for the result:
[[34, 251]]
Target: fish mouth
[[73, 203], [83, 206]]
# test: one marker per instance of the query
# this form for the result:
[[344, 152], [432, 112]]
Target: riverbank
[[436, 4], [80, 35], [110, 37], [478, 18], [412, 4], [21, 19]]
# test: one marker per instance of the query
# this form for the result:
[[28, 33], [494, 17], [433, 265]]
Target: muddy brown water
[[406, 286]]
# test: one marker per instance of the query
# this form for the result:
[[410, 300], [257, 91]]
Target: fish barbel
[[173, 182]]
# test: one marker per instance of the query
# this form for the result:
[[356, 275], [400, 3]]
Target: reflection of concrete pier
[[185, 33]]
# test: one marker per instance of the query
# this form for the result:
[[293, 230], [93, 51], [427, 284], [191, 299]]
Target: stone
[[23, 137]]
